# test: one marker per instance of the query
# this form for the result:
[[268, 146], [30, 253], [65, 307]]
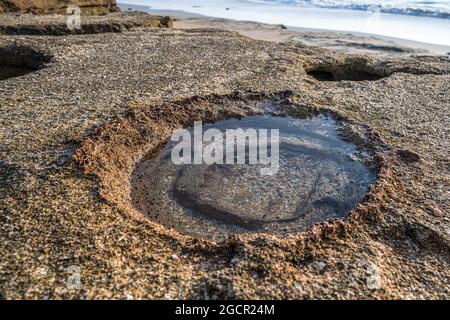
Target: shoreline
[[269, 32], [360, 42]]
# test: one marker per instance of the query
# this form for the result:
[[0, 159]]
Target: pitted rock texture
[[102, 93]]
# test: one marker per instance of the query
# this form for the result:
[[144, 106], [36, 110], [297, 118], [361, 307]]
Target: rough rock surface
[[88, 7], [101, 91], [27, 24]]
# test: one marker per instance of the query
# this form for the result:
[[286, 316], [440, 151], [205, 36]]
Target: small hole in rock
[[321, 75], [16, 61], [344, 72]]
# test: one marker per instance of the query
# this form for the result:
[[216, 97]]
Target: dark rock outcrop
[[56, 25]]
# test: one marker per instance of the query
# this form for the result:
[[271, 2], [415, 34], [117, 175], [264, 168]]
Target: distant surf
[[437, 9]]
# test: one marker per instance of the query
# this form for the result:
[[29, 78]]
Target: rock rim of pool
[[118, 153], [317, 176]]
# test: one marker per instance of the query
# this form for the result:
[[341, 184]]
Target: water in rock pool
[[319, 177]]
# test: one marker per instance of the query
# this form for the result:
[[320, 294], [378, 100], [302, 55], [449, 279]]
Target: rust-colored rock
[[88, 7]]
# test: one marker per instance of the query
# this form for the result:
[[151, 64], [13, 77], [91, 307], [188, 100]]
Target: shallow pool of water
[[320, 176]]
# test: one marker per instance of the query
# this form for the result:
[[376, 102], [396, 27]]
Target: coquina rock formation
[[88, 7]]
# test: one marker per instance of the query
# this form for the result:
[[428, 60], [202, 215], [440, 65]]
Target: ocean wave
[[437, 9]]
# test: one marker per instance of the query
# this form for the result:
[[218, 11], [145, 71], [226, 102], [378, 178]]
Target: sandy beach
[[79, 110], [351, 42]]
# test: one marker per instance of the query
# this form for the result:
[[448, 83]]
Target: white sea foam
[[438, 9]]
